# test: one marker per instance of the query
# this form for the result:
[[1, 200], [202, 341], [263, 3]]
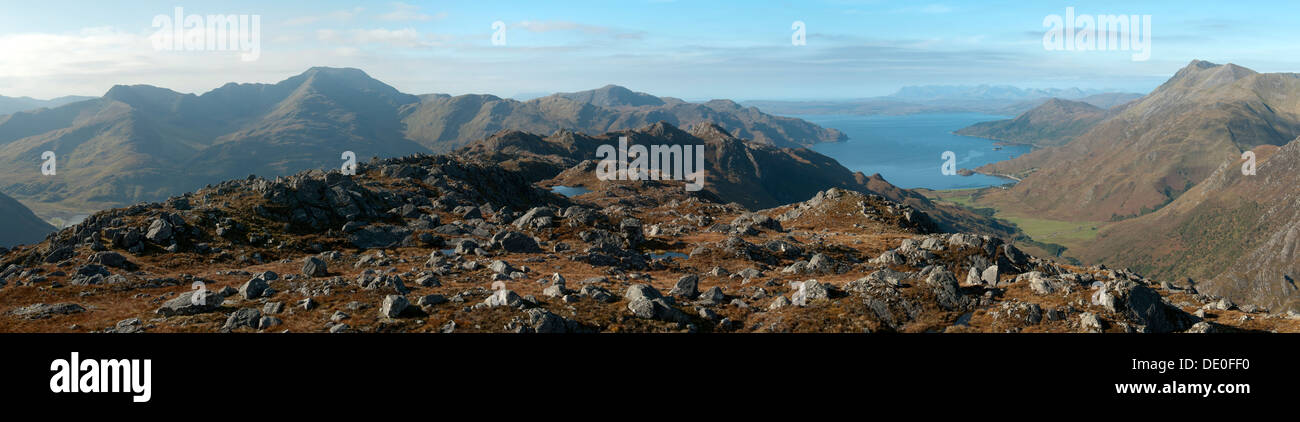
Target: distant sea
[[907, 150]]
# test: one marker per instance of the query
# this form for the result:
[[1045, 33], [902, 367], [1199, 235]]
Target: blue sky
[[689, 49]]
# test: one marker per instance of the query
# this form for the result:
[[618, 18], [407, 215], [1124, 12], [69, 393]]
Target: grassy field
[[1054, 231], [963, 197], [1068, 234]]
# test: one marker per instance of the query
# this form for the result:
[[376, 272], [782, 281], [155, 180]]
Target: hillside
[[1109, 100], [143, 143], [1158, 147], [438, 244], [18, 225], [1055, 122], [1232, 234]]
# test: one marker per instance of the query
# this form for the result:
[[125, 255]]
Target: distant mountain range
[[10, 105], [144, 143], [18, 225], [991, 99], [443, 123], [1053, 123], [928, 93]]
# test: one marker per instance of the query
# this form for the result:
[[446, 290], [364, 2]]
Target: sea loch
[[907, 149]]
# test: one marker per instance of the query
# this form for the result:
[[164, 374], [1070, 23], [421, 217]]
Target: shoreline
[[1000, 142], [1000, 175]]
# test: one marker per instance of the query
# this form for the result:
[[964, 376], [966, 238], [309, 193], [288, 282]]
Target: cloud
[[39, 54], [837, 62], [409, 12], [406, 38], [91, 60], [400, 37], [569, 26], [1215, 24], [335, 16]]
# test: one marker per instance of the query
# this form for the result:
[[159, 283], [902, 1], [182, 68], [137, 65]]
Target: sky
[[696, 50]]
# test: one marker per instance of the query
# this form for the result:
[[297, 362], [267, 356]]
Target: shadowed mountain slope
[[18, 225]]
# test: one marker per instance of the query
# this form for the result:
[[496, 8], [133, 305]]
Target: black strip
[[359, 370]]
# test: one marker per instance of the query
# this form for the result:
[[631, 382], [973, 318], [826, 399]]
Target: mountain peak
[[120, 91], [336, 75], [1200, 74], [664, 130], [1201, 64], [145, 96], [347, 84], [337, 72], [723, 104], [1220, 68], [1068, 106], [710, 131], [613, 96]]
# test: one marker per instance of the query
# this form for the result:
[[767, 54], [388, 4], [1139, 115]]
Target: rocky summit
[[447, 244]]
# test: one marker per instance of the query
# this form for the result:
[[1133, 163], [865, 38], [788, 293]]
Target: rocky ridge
[[443, 244]]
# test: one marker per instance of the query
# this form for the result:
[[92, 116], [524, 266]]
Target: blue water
[[907, 150], [570, 191]]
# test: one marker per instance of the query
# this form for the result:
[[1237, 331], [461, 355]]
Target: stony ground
[[435, 244]]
